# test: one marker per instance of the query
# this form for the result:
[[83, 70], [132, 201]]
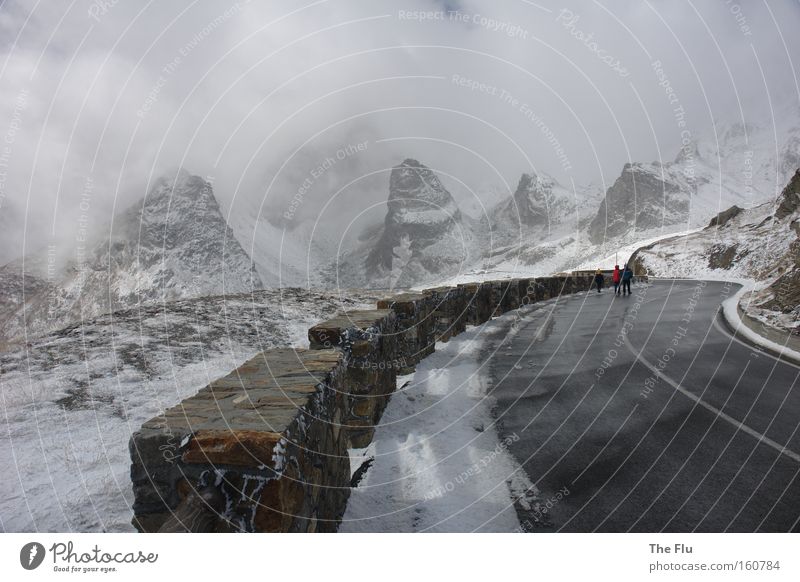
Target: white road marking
[[738, 424], [757, 349]]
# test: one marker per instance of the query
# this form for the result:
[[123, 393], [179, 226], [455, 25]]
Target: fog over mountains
[[353, 144], [247, 97], [176, 243], [186, 184]]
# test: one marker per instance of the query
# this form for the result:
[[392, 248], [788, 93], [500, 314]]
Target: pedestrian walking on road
[[627, 276], [599, 280], [616, 278]]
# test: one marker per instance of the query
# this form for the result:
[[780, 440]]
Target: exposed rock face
[[538, 202], [423, 234], [532, 200], [790, 198], [790, 156], [645, 196], [725, 216], [16, 287], [784, 292], [173, 244], [724, 256]]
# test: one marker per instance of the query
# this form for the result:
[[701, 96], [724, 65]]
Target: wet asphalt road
[[671, 426]]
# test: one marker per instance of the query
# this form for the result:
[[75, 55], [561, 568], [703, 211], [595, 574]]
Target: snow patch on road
[[439, 464]]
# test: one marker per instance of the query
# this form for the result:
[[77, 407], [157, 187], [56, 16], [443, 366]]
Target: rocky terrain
[[545, 227], [644, 197], [759, 246], [10, 218], [176, 243], [173, 244], [737, 165], [539, 205], [73, 396]]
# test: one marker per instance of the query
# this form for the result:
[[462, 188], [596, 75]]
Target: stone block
[[232, 447]]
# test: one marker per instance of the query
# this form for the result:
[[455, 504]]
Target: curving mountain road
[[642, 413]]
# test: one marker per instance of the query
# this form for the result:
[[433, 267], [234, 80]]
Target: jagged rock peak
[[533, 198], [645, 196], [534, 183], [422, 222], [412, 180], [179, 182], [725, 216]]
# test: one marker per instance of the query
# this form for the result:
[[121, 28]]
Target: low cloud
[[257, 97]]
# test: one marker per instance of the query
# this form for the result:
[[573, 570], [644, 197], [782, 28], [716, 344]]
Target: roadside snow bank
[[730, 310], [438, 462]]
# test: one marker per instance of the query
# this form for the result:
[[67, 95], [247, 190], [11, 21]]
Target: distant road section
[[642, 413]]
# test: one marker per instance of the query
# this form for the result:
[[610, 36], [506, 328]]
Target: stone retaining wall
[[270, 439]]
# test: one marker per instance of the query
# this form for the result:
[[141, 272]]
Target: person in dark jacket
[[599, 280], [616, 278], [627, 276]]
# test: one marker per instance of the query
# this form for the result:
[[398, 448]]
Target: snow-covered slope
[[73, 397], [758, 244], [539, 206], [294, 257], [739, 164], [173, 244]]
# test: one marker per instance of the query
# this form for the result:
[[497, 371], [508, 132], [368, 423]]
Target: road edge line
[[713, 409], [736, 328]]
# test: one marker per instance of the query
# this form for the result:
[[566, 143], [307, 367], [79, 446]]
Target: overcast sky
[[99, 98]]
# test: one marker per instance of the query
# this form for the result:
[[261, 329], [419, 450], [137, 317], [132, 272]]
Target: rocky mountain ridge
[[173, 244]]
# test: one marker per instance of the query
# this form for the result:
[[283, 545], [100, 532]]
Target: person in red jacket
[[616, 279]]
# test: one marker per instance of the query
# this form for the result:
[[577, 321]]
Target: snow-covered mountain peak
[[535, 199], [415, 187], [536, 183], [424, 237], [179, 185], [173, 244]]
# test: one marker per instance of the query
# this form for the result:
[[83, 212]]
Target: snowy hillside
[[173, 244], [759, 245], [288, 253], [742, 164], [72, 398]]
